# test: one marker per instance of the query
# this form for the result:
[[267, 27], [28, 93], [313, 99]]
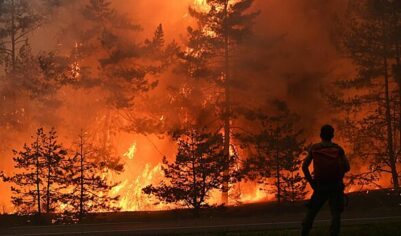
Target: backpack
[[328, 163]]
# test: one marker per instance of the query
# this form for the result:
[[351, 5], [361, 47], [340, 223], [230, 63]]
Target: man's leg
[[336, 202], [316, 202]]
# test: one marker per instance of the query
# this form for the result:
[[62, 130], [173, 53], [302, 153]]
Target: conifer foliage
[[274, 152], [88, 188], [50, 180], [35, 185], [195, 172], [371, 39], [221, 28]]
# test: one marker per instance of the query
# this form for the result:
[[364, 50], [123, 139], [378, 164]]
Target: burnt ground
[[371, 212]]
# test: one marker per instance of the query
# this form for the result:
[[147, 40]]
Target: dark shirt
[[309, 158]]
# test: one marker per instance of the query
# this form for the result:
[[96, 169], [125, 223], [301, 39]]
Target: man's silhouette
[[329, 166]]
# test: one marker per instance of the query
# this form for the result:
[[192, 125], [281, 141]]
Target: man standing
[[329, 166]]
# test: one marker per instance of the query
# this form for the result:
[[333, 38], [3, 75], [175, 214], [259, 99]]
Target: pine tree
[[27, 182], [24, 78], [88, 188], [293, 186], [395, 40], [114, 60], [195, 172], [275, 149], [220, 28], [38, 181], [53, 154], [370, 41], [33, 84], [124, 63], [17, 19]]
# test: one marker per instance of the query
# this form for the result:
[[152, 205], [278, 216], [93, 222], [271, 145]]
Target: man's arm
[[347, 167], [305, 169]]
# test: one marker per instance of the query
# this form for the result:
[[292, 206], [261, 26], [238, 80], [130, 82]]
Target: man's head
[[327, 132]]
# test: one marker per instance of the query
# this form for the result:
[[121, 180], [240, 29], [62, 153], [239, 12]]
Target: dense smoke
[[292, 55]]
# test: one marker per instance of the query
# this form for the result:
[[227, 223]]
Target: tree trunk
[[81, 197], [390, 144], [278, 168], [227, 106], [194, 183], [48, 183], [397, 74], [37, 174], [293, 193], [13, 41]]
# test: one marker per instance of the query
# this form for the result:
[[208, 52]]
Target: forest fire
[[157, 105], [202, 4], [131, 195], [130, 154]]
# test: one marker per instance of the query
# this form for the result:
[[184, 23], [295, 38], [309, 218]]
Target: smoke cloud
[[292, 55]]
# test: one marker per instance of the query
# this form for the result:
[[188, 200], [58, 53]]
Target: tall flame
[[131, 152], [130, 190], [201, 5]]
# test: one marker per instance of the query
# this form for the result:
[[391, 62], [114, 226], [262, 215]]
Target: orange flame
[[131, 152], [201, 5], [132, 197]]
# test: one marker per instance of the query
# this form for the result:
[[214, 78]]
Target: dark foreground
[[373, 213], [357, 226]]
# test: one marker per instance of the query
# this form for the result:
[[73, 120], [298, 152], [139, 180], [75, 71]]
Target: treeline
[[369, 104], [273, 160], [50, 178], [101, 57], [268, 137], [222, 139], [225, 133]]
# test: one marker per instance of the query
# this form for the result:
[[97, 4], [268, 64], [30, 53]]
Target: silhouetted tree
[[293, 185], [17, 19], [88, 186], [26, 192], [33, 85], [195, 172], [275, 149], [220, 28], [124, 64], [115, 62], [53, 154], [370, 41], [26, 84], [38, 181]]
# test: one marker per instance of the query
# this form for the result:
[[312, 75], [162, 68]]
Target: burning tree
[[87, 186], [17, 19], [221, 26], [39, 180], [372, 41], [111, 58], [195, 172], [275, 152], [53, 154], [26, 84], [27, 190]]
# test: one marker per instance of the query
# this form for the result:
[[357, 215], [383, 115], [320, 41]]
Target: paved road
[[173, 228]]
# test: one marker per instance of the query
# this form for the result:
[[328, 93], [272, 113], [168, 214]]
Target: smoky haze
[[291, 56]]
